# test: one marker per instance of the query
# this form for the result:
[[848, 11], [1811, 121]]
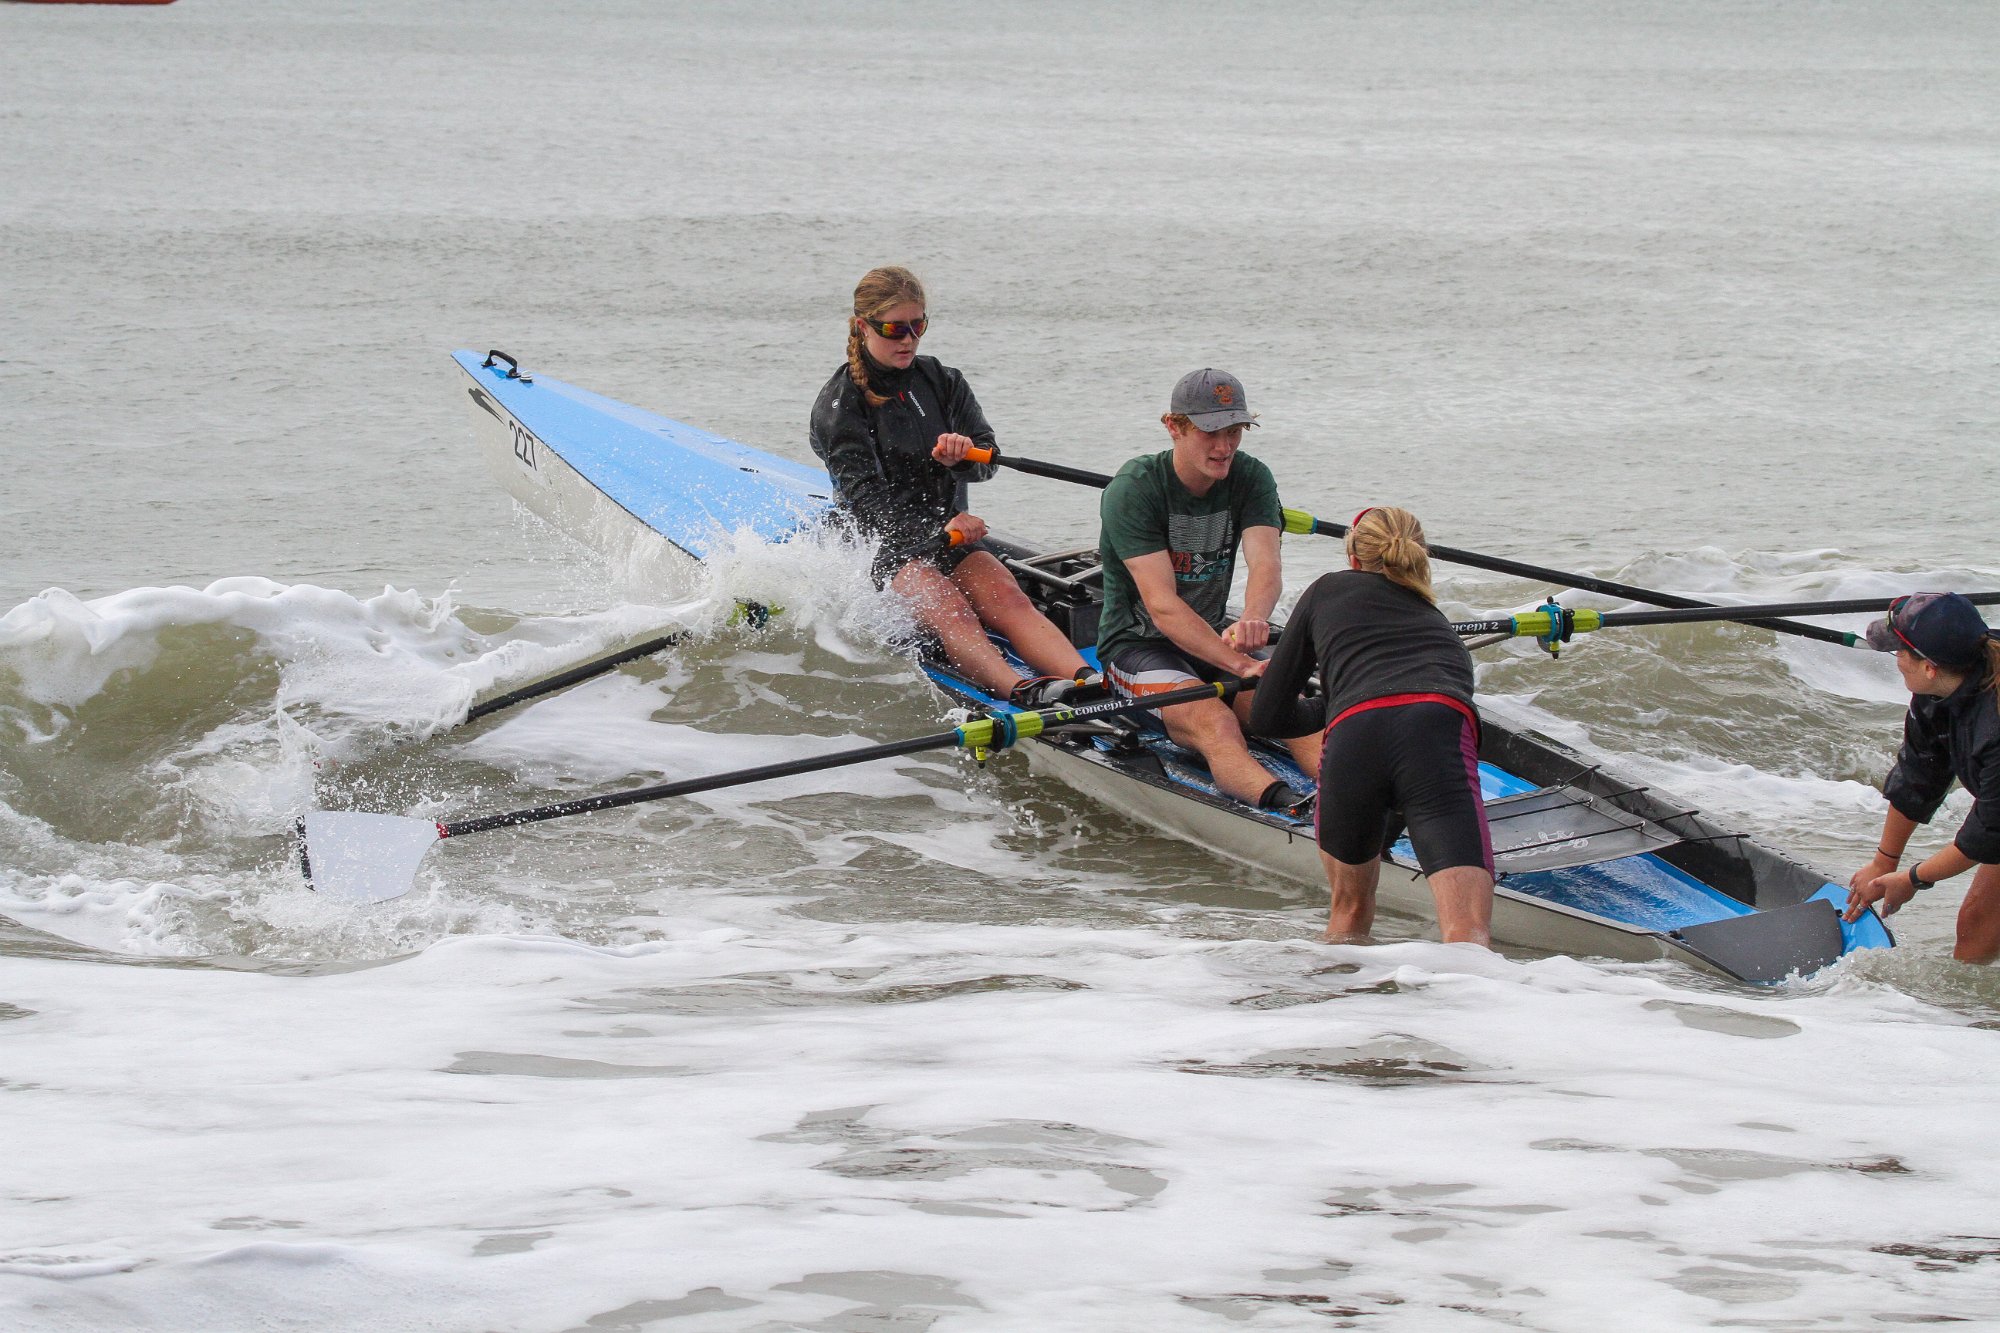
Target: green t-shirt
[[1147, 509]]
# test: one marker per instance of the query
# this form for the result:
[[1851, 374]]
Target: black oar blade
[[363, 858]]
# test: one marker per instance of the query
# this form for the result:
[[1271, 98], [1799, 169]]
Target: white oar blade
[[364, 858]]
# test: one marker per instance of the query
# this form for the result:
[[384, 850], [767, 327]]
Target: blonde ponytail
[[1390, 541], [880, 289]]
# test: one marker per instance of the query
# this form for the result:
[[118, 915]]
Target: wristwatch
[[1918, 882]]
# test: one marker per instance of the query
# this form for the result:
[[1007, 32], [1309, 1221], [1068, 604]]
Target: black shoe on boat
[[1280, 798]]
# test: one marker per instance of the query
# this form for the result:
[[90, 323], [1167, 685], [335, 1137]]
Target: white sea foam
[[398, 657], [820, 1121], [1020, 1128]]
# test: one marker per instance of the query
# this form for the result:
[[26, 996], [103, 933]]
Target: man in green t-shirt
[[1172, 524]]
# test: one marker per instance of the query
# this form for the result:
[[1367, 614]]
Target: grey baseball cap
[[1212, 399]]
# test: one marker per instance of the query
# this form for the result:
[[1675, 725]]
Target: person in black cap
[[894, 429], [1172, 524], [1951, 663]]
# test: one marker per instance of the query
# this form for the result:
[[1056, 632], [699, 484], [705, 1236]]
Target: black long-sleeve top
[[880, 456], [1956, 736], [1369, 638]]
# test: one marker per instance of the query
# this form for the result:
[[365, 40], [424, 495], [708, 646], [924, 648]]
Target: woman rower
[[1950, 662], [1402, 738], [893, 429]]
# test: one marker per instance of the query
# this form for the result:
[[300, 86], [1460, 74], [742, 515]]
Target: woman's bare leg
[[1352, 914], [1464, 897], [1003, 608], [943, 609]]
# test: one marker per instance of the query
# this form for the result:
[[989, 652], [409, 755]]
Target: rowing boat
[[1590, 864]]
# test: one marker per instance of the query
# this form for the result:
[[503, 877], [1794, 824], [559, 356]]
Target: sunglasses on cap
[[1895, 610], [897, 329]]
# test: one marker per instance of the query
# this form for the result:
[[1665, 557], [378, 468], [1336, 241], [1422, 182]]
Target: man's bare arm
[[1261, 548], [1183, 626]]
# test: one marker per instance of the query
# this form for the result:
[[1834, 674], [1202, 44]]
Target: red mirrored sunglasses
[[1896, 609], [897, 329]]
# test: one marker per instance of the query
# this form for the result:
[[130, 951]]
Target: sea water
[[1700, 297]]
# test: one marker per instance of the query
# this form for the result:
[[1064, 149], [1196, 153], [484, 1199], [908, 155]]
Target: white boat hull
[[1292, 854]]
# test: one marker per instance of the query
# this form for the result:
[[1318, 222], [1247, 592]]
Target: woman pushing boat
[[893, 429], [1950, 661], [1402, 737]]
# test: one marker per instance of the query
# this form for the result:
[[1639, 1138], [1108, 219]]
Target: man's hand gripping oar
[[1299, 523], [362, 857]]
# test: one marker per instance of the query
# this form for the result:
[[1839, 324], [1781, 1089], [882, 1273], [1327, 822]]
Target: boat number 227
[[524, 446]]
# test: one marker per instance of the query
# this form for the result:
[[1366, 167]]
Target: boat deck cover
[[694, 487]]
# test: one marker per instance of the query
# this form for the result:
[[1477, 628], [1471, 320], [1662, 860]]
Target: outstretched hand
[[1877, 882]]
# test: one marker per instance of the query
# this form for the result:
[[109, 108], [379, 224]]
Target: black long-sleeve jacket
[[1956, 736], [880, 457], [1369, 638]]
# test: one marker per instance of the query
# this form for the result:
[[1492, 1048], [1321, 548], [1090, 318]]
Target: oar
[[1544, 624], [562, 680], [366, 857], [753, 614], [1300, 523]]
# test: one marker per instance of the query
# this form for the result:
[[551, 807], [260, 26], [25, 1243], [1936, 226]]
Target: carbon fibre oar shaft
[[575, 675], [1300, 523], [980, 736], [371, 858], [749, 613], [1542, 625]]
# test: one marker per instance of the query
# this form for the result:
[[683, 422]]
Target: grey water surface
[[1705, 297], [1579, 281]]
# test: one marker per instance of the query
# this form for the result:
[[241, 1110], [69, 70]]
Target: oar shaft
[[691, 786], [1055, 471], [751, 613], [983, 734], [1299, 523], [1538, 623], [563, 680]]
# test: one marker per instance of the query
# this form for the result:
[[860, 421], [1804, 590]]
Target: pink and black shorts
[[1406, 760]]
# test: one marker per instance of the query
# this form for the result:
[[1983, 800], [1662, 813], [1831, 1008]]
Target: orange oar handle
[[979, 454]]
